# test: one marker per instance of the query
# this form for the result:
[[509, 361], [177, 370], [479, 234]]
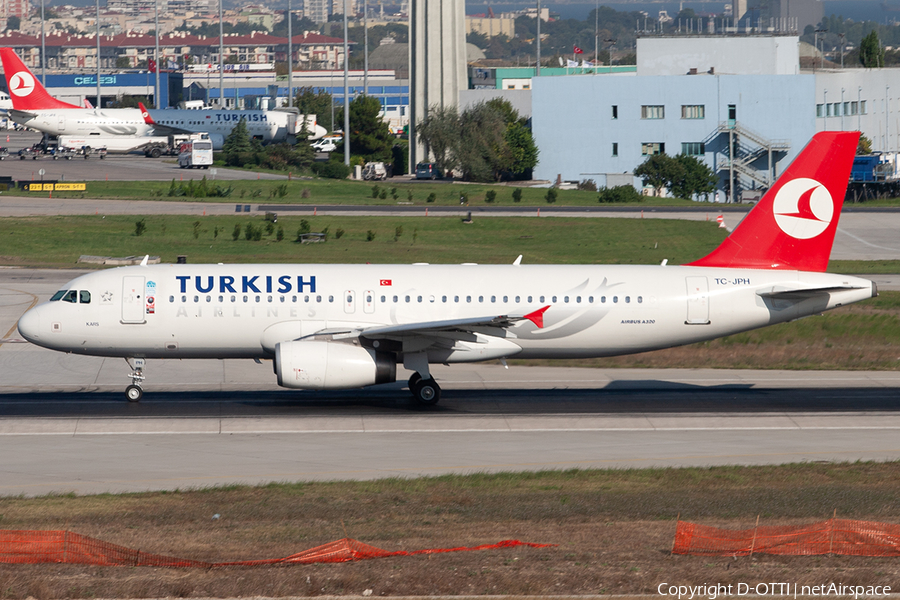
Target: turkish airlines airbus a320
[[347, 326]]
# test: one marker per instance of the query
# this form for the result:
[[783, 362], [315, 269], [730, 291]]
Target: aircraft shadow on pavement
[[618, 398]]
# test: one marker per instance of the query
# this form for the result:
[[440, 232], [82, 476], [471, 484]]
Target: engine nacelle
[[218, 140], [331, 366]]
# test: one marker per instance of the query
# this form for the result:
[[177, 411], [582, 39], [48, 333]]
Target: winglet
[[146, 114], [145, 261], [518, 261], [537, 317]]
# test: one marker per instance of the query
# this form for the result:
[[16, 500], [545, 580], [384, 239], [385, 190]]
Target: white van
[[195, 153]]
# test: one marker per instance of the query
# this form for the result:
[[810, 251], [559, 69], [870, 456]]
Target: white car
[[324, 146]]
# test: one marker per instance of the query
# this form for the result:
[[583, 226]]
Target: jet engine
[[316, 365], [218, 140]]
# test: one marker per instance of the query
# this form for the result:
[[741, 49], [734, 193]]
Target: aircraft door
[[369, 305], [697, 301], [133, 299], [62, 124], [349, 302]]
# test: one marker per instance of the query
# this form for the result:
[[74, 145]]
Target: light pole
[[842, 36], [346, 91], [221, 59], [98, 53], [822, 54], [842, 109], [366, 47], [290, 57], [859, 108], [537, 69], [43, 50], [156, 51]]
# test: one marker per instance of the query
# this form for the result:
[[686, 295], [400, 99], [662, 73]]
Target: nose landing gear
[[134, 392]]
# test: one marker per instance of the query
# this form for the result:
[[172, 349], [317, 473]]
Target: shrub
[[331, 169], [431, 197], [620, 193], [281, 190], [383, 194], [236, 233], [409, 195], [305, 227], [280, 235], [551, 196], [588, 185], [398, 231], [339, 233], [370, 235], [394, 194], [375, 190], [490, 196], [196, 229], [304, 193], [249, 232], [140, 227], [270, 227], [517, 195]]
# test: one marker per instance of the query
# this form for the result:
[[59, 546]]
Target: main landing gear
[[425, 391], [134, 392]]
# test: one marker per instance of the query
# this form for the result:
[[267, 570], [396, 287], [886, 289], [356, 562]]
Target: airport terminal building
[[741, 104]]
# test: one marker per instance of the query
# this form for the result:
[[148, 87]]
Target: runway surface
[[66, 427]]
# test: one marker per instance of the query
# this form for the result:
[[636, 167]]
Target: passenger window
[[553, 299], [58, 295], [627, 299], [615, 299], [383, 299], [209, 298], [602, 299], [196, 299], [578, 299], [171, 299], [529, 299], [407, 299], [318, 298], [505, 299], [590, 299], [331, 298], [71, 296], [456, 298], [468, 298], [419, 298], [84, 297], [566, 299], [493, 298], [542, 300], [481, 298], [183, 299], [640, 299], [444, 299], [517, 299]]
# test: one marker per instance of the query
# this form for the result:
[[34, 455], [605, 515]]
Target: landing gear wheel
[[427, 391], [134, 393], [416, 378]]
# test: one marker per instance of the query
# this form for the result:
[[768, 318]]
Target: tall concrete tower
[[437, 61]]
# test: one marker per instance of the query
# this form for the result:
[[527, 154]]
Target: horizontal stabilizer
[[799, 291]]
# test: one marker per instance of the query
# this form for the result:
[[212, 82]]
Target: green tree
[[522, 150], [659, 171], [482, 152], [439, 133], [370, 137], [238, 140], [864, 146], [871, 54], [697, 179], [310, 101]]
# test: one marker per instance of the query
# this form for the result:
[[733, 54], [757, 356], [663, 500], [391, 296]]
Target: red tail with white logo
[[25, 90], [793, 225]]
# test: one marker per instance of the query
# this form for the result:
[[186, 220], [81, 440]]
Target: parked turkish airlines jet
[[34, 107], [345, 326]]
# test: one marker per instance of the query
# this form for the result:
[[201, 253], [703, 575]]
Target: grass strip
[[614, 528]]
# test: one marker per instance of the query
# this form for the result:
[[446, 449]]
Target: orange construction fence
[[834, 536], [23, 546]]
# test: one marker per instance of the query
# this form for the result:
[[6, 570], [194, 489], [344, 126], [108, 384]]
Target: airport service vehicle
[[195, 153], [427, 170], [34, 107], [347, 326], [4, 152], [374, 171]]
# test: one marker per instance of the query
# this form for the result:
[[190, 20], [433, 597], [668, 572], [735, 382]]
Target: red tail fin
[[25, 90], [793, 225]]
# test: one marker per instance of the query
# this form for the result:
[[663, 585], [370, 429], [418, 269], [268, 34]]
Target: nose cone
[[31, 325]]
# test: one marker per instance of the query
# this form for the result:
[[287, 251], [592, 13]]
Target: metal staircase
[[744, 147]]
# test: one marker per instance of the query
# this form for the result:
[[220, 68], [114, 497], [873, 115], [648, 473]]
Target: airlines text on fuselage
[[280, 284]]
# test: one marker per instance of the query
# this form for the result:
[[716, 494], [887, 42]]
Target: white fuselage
[[267, 126], [220, 311]]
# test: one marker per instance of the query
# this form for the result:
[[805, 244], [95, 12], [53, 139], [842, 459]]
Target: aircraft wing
[[158, 128], [443, 329]]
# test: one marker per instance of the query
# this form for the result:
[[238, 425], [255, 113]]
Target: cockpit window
[[71, 296], [84, 297], [58, 295]]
